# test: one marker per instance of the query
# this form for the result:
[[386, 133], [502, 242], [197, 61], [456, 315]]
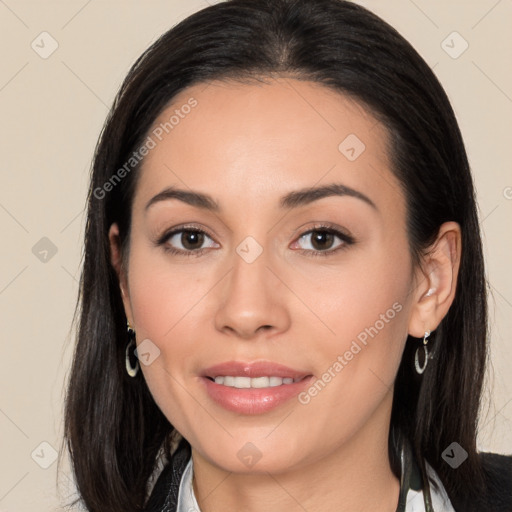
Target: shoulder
[[498, 471], [497, 495]]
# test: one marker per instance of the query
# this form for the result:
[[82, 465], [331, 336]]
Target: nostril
[[265, 327]]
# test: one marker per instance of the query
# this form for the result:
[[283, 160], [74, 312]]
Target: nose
[[252, 300]]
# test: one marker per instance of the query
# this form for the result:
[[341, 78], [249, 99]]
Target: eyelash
[[345, 238]]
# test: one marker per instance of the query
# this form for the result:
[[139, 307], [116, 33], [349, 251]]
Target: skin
[[247, 145]]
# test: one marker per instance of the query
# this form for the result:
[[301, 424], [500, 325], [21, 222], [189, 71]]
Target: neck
[[355, 476]]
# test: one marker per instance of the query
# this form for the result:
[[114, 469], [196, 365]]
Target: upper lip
[[253, 369]]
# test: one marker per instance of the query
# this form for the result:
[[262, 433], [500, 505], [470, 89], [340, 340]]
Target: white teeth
[[242, 382], [229, 381], [275, 381], [255, 382], [260, 382]]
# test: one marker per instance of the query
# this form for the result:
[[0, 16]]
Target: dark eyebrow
[[291, 200], [308, 195], [196, 199]]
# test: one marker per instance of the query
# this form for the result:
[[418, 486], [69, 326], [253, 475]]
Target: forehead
[[254, 141]]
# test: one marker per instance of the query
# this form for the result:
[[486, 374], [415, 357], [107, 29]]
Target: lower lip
[[253, 400]]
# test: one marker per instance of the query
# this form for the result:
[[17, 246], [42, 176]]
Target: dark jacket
[[498, 498]]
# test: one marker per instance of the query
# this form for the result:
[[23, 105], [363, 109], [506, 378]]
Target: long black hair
[[113, 427]]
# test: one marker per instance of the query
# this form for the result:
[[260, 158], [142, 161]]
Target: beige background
[[52, 111]]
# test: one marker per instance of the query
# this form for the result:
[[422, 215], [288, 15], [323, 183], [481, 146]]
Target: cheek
[[168, 305], [368, 298], [356, 370], [163, 297], [367, 307]]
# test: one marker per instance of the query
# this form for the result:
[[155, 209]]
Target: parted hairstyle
[[113, 427]]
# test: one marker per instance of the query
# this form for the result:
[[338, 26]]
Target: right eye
[[189, 239]]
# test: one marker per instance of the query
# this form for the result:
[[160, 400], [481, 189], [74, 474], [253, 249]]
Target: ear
[[436, 281], [117, 263]]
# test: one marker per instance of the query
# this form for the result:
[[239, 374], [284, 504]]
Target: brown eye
[[188, 242], [191, 239], [322, 241]]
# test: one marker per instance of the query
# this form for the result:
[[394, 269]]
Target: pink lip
[[253, 401]]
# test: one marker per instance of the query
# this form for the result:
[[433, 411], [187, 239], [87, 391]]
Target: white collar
[[440, 502], [186, 498]]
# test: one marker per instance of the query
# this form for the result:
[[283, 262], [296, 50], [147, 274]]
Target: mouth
[[254, 382], [255, 387]]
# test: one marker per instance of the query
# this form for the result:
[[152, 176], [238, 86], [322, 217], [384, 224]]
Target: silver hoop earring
[[421, 369], [131, 368]]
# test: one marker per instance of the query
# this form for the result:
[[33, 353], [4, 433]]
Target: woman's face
[[285, 283]]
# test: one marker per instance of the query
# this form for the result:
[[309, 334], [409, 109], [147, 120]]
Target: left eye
[[322, 240]]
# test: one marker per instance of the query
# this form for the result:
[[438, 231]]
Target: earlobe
[[436, 281]]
